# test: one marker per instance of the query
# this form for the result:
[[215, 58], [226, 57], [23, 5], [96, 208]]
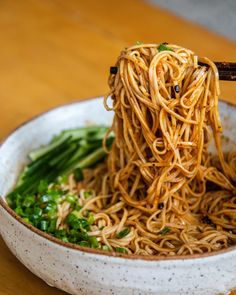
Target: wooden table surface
[[56, 51]]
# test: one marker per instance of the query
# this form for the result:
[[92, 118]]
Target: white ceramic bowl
[[86, 271]]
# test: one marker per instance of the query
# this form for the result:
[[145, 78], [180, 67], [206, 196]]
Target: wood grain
[[56, 51]]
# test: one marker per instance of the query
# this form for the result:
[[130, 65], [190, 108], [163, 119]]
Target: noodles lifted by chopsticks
[[156, 183]]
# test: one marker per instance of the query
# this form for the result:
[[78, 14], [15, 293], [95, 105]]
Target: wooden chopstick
[[227, 75], [227, 70], [225, 65]]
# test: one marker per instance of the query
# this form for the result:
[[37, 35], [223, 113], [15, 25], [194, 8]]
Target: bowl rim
[[72, 246]]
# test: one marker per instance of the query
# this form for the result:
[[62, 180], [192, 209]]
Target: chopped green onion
[[38, 212], [44, 225], [50, 207], [78, 207], [51, 210], [19, 211], [71, 218], [64, 239], [163, 47], [59, 233], [88, 194], [93, 242], [52, 225], [123, 233], [76, 213], [29, 211], [121, 250], [28, 201], [26, 219], [106, 248], [84, 244], [90, 219], [77, 223], [43, 186], [165, 231], [62, 179], [45, 198], [71, 199]]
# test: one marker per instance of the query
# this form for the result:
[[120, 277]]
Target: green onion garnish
[[164, 47], [164, 231], [121, 250], [39, 190], [123, 233], [106, 248]]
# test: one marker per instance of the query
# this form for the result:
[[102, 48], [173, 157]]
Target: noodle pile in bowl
[[159, 185]]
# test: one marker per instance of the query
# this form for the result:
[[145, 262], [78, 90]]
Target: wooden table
[[55, 51]]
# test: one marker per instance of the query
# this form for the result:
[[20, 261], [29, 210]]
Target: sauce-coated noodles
[[160, 183]]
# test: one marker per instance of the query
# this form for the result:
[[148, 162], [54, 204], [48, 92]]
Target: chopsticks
[[227, 70]]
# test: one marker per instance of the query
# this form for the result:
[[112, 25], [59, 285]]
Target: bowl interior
[[39, 131]]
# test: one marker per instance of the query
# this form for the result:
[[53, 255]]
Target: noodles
[[157, 177]]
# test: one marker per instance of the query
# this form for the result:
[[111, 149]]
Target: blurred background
[[55, 51], [216, 15]]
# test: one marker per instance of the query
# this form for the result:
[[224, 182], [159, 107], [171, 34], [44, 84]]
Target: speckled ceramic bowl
[[86, 271]]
